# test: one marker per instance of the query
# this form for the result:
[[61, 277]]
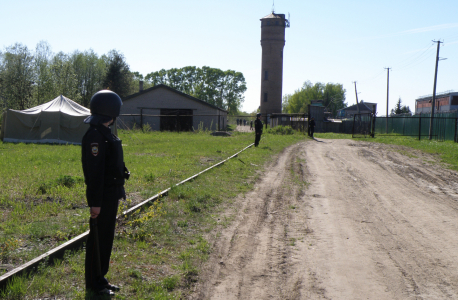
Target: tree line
[[400, 109], [32, 77], [332, 95], [223, 89]]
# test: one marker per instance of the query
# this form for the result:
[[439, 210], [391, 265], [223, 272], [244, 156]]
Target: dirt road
[[338, 219]]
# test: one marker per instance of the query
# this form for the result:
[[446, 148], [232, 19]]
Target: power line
[[451, 36], [373, 77], [407, 63], [414, 59], [418, 62]]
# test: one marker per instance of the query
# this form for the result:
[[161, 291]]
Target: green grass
[[157, 252]]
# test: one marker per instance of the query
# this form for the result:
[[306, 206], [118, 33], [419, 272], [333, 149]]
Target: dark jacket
[[103, 165], [258, 126]]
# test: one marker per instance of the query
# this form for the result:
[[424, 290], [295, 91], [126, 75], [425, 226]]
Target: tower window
[[266, 75], [276, 22], [265, 97]]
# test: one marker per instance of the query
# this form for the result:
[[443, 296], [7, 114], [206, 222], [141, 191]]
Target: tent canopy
[[57, 121]]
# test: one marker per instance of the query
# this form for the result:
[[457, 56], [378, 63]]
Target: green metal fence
[[444, 126]]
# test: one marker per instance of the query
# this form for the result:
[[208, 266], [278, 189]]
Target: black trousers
[[106, 223], [257, 139]]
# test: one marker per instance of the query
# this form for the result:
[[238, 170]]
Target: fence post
[[353, 127], [403, 125], [141, 118], [455, 129], [419, 128]]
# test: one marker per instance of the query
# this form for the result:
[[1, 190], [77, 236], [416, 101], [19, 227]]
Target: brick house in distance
[[445, 102], [159, 106]]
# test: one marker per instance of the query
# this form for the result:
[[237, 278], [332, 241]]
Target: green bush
[[171, 282], [63, 181], [283, 130]]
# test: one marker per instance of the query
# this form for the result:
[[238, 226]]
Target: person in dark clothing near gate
[[312, 126], [104, 174], [257, 129]]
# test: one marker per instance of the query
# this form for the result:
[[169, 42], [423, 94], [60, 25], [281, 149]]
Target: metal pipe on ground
[[78, 241]]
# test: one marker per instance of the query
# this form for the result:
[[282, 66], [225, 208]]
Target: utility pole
[[433, 102], [387, 96], [357, 102]]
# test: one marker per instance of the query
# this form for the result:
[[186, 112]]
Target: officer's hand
[[126, 173], [95, 211]]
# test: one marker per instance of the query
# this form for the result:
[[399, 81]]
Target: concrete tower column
[[272, 43]]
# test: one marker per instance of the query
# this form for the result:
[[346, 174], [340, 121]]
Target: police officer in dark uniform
[[257, 129], [104, 175], [312, 126]]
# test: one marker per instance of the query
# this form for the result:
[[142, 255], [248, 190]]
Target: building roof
[[316, 102], [429, 97], [362, 106], [274, 16], [130, 97]]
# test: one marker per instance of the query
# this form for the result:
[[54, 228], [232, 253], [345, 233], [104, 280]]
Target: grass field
[[157, 252]]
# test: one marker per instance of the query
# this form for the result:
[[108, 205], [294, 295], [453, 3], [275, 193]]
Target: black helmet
[[105, 105], [258, 115]]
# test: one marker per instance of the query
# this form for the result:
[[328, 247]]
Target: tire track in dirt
[[394, 231], [253, 258], [370, 223]]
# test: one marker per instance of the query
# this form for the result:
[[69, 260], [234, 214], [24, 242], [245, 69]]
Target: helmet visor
[[97, 119]]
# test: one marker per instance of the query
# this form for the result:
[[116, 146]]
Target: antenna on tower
[[273, 6], [288, 21]]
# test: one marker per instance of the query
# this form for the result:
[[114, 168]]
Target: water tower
[[272, 43]]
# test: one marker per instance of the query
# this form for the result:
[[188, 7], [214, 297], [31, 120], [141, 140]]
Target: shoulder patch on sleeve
[[95, 149]]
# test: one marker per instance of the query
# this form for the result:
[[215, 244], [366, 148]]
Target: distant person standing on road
[[258, 129], [312, 126], [251, 125], [104, 174]]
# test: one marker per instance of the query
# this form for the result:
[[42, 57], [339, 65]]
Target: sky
[[329, 41]]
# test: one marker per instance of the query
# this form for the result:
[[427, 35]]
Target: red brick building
[[445, 102]]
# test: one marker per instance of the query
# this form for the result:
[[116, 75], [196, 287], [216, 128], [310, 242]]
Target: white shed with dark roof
[[165, 108]]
